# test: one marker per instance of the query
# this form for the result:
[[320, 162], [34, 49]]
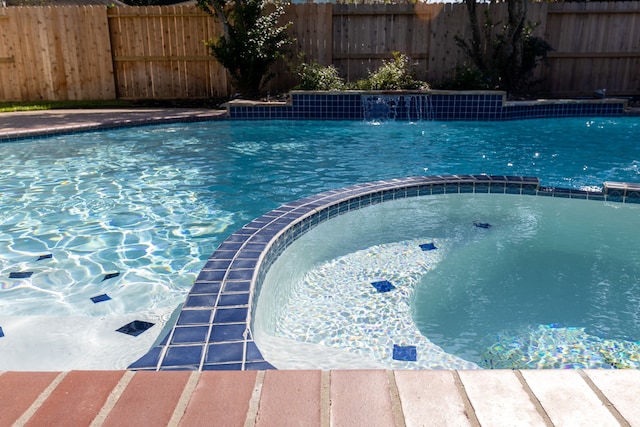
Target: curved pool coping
[[26, 125], [213, 327]]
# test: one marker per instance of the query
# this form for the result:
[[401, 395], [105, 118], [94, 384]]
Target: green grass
[[6, 107]]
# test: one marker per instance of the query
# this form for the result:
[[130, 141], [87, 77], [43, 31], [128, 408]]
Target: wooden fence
[[55, 53], [158, 52], [596, 46], [90, 52]]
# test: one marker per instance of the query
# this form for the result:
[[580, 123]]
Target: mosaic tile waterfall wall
[[413, 106]]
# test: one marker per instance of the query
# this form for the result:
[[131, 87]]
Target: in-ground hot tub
[[458, 281]]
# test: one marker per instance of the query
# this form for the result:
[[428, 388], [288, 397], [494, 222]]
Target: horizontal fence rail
[[156, 52]]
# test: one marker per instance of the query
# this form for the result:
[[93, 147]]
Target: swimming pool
[[133, 214]]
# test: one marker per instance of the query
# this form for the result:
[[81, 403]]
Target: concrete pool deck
[[26, 124], [280, 398]]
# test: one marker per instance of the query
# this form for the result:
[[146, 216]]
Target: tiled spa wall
[[432, 105]]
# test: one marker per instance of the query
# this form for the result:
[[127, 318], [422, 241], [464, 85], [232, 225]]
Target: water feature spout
[[401, 106]]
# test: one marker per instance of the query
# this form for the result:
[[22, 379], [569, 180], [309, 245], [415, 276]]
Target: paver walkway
[[321, 398]]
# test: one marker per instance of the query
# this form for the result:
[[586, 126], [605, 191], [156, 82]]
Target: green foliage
[[535, 50], [396, 74], [27, 3], [316, 77], [506, 56], [6, 107], [140, 2], [252, 41], [466, 77]]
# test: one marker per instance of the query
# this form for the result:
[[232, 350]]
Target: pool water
[[547, 283], [134, 213], [559, 280]]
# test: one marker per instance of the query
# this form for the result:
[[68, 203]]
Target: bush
[[252, 40], [506, 54], [316, 77], [396, 74], [466, 77]]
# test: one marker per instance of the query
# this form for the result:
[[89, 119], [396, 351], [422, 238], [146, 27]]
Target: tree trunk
[[517, 13], [476, 51]]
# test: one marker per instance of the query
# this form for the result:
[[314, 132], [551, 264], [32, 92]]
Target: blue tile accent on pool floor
[[213, 329], [428, 246], [406, 353], [482, 224], [110, 276], [100, 298], [20, 274], [135, 328], [383, 286]]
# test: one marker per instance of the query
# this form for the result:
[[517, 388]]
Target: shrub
[[507, 54], [396, 74], [316, 77], [252, 40], [466, 77]]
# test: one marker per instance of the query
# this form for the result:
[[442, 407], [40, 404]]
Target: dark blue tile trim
[[190, 334], [185, 357], [213, 330]]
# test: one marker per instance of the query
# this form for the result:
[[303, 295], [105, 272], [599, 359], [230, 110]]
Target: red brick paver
[[290, 398], [149, 399], [361, 398], [18, 390], [320, 398], [77, 399], [223, 396]]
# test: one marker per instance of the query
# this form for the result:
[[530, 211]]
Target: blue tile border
[[418, 105], [213, 329], [353, 105]]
